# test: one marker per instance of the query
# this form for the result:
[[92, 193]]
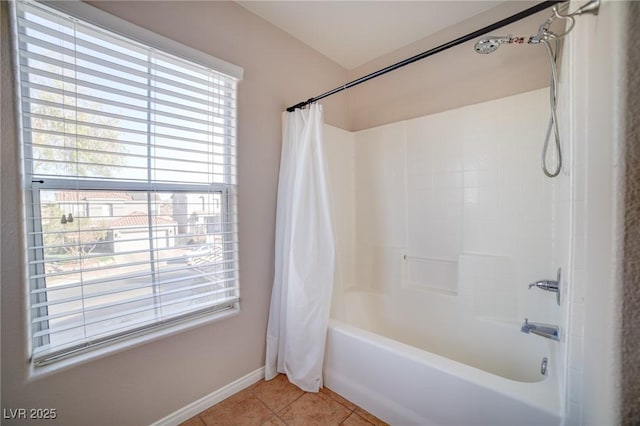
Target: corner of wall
[[597, 263], [630, 292]]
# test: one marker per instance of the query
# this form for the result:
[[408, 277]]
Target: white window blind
[[130, 184]]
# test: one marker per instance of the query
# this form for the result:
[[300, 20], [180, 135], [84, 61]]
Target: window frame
[[32, 189]]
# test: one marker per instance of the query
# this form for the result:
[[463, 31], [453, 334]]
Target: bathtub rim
[[533, 394]]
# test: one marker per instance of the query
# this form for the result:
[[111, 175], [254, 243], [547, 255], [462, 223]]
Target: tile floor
[[278, 402]]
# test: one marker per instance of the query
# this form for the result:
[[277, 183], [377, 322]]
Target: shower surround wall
[[449, 217], [453, 204]]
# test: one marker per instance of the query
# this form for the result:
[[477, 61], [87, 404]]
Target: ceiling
[[353, 33]]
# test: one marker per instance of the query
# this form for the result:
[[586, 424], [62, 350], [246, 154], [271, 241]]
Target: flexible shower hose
[[553, 120]]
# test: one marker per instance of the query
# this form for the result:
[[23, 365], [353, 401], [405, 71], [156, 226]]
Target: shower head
[[490, 44]]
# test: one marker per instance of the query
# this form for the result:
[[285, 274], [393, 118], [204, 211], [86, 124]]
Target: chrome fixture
[[491, 43], [545, 330], [550, 285], [545, 36], [543, 32], [543, 366]]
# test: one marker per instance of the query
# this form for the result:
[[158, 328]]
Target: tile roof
[[141, 219], [92, 195]]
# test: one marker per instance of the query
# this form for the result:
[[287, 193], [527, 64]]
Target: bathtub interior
[[434, 324]]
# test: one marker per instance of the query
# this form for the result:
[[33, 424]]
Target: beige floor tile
[[241, 409], [314, 409], [274, 421], [193, 421], [356, 420], [370, 417], [338, 398], [293, 407], [277, 393]]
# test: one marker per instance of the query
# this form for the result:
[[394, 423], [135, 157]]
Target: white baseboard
[[188, 411]]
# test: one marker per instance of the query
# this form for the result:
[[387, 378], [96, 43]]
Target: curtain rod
[[518, 16]]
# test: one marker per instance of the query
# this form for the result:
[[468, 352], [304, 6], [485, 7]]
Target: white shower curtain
[[304, 256]]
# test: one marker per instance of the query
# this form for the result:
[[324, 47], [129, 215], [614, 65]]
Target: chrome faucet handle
[[550, 285], [547, 285]]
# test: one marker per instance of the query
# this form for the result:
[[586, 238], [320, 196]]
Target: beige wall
[[144, 384], [454, 78]]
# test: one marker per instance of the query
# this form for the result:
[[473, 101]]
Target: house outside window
[[129, 159]]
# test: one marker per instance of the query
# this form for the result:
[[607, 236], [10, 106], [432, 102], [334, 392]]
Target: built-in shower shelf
[[431, 274]]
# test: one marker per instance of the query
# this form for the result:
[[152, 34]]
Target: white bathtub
[[403, 384]]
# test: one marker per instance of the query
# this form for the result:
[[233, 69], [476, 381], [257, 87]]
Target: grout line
[[277, 416], [265, 404], [268, 408], [281, 419], [275, 413], [355, 407], [297, 398], [342, 422]]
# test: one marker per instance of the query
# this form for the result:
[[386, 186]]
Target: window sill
[[38, 372]]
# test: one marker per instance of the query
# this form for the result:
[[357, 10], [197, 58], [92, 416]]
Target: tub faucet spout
[[545, 330]]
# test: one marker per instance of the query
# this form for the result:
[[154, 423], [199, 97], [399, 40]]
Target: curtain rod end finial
[[298, 105]]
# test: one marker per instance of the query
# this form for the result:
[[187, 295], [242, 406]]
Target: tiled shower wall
[[457, 200]]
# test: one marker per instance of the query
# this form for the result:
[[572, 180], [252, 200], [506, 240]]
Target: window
[[129, 159]]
